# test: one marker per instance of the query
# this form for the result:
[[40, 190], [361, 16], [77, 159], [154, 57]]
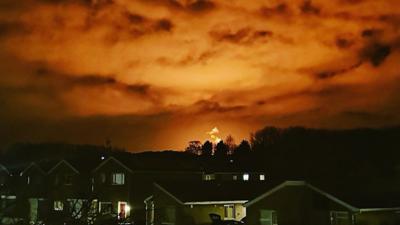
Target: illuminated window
[[268, 217], [58, 206], [262, 177], [339, 218], [118, 178], [246, 176], [28, 180], [229, 211], [234, 177], [123, 210], [209, 177]]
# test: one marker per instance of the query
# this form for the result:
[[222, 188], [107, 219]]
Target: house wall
[[200, 214], [378, 218], [163, 205], [296, 205], [36, 187], [4, 179], [188, 214], [78, 189]]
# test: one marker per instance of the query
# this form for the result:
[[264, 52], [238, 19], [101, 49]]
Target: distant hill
[[284, 153]]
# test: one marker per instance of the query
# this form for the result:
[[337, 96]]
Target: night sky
[[155, 74]]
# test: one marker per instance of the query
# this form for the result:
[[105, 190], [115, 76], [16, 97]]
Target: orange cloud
[[192, 64]]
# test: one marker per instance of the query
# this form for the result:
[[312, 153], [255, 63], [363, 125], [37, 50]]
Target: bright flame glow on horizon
[[214, 135]]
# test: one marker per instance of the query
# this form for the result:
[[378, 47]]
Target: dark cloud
[[189, 59], [325, 74], [171, 4], [93, 80], [201, 6], [369, 33], [208, 106], [8, 28], [376, 53], [322, 92], [280, 9], [344, 43], [307, 7], [133, 27], [142, 89], [69, 80], [82, 2], [196, 6], [242, 36], [135, 18], [163, 25]]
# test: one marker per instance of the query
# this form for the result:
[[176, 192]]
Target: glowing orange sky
[[155, 74]]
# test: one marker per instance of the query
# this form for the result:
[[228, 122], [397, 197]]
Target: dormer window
[[118, 178]]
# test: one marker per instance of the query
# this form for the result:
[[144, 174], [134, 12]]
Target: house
[[11, 209], [32, 188], [121, 184], [68, 190], [191, 203], [113, 187], [300, 203], [266, 203]]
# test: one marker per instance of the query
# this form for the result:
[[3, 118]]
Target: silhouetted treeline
[[339, 154], [283, 153]]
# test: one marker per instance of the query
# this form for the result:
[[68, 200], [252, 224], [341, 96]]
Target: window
[[246, 176], [262, 177], [340, 218], [93, 208], [56, 180], [123, 210], [58, 206], [209, 177], [229, 211], [103, 178], [68, 179], [170, 216], [75, 207], [268, 217], [118, 178], [28, 180], [234, 177], [105, 208]]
